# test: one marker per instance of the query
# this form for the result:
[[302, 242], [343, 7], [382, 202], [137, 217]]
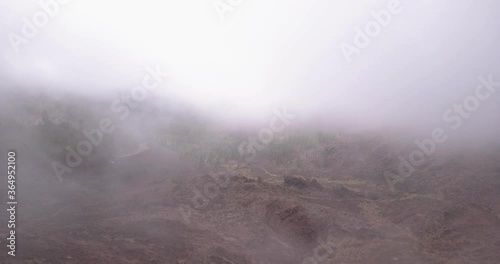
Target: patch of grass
[[411, 196], [355, 182], [371, 211], [274, 181], [245, 172]]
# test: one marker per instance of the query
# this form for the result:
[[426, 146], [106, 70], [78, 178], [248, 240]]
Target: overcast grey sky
[[265, 55]]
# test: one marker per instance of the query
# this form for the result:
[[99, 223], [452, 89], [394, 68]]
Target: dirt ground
[[156, 207]]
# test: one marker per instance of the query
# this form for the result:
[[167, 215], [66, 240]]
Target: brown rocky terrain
[[157, 207]]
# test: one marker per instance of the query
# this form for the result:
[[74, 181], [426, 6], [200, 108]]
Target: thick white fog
[[250, 131], [246, 59]]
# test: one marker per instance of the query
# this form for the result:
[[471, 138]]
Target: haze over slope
[[267, 55]]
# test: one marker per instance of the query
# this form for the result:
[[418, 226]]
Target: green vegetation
[[192, 138], [59, 123]]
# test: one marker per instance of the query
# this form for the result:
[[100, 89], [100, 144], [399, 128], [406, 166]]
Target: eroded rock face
[[301, 183], [295, 182], [291, 223]]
